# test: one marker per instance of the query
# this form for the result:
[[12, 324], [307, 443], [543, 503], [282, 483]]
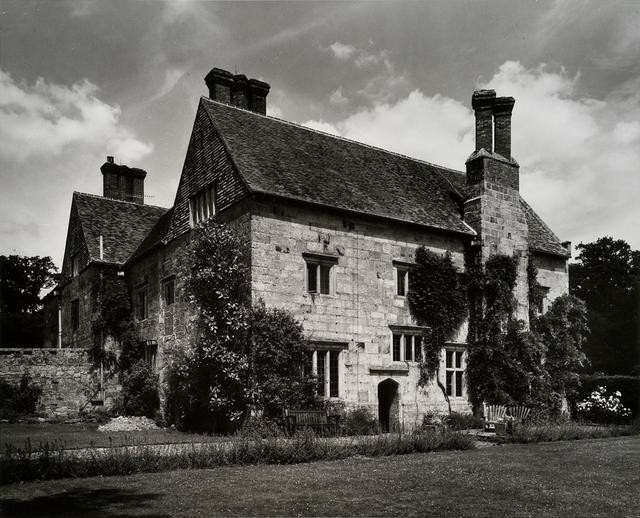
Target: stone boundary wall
[[68, 385]]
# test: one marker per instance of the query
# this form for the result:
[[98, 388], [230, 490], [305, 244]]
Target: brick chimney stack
[[482, 104], [502, 108], [120, 182], [237, 90]]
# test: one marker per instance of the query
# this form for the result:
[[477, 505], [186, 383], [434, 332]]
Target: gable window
[[406, 347], [169, 290], [75, 265], [75, 314], [142, 309], [454, 369], [319, 273], [402, 271], [203, 205], [325, 364]]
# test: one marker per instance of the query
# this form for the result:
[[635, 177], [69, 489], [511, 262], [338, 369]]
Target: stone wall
[[68, 386], [363, 309], [553, 274]]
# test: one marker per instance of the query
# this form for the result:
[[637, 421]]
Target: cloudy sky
[[80, 80]]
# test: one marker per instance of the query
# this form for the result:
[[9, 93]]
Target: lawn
[[597, 477], [84, 435]]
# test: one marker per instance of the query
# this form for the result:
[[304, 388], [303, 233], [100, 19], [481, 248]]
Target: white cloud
[[341, 51], [337, 98], [44, 119], [579, 156]]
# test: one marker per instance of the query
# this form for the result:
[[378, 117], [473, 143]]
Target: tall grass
[[568, 431], [53, 461]]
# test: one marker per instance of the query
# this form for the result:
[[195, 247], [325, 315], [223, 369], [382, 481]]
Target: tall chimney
[[239, 92], [120, 182], [248, 94], [258, 91], [219, 83], [482, 103], [502, 108]]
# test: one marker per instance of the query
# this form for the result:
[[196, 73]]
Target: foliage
[[607, 277], [457, 421], [245, 358], [602, 408], [18, 399], [139, 390], [21, 281], [563, 330], [437, 300], [536, 292], [628, 386], [569, 431], [358, 421], [54, 462]]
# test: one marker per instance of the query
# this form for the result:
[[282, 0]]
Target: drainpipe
[[101, 248], [59, 344]]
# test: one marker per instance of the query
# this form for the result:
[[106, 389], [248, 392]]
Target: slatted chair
[[519, 413], [492, 415]]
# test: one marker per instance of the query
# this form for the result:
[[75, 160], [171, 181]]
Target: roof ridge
[[97, 196], [338, 137]]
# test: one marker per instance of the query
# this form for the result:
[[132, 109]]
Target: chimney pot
[[109, 160], [239, 94], [219, 83], [502, 109], [248, 94], [482, 103], [258, 91]]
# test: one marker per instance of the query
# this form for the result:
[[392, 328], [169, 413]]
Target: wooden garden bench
[[519, 413], [318, 420], [494, 416]]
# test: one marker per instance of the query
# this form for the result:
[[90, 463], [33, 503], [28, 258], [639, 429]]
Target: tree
[[21, 281], [607, 278], [244, 357]]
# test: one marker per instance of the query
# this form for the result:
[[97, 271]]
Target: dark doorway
[[388, 406]]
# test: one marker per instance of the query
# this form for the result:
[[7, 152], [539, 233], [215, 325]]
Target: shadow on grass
[[107, 503]]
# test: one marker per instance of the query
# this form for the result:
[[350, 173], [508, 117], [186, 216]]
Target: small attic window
[[203, 205]]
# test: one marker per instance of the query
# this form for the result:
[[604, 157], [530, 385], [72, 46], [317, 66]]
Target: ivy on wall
[[437, 300]]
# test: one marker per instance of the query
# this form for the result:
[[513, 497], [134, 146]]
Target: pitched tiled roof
[[155, 235], [123, 225], [541, 238], [284, 159]]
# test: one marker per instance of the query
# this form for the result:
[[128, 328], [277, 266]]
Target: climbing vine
[[437, 300], [123, 355]]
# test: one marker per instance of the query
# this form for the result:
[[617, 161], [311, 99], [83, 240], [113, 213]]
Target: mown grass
[[55, 462], [597, 477]]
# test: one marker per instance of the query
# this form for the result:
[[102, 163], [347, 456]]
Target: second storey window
[[203, 205], [142, 309], [319, 273], [402, 273], [169, 290]]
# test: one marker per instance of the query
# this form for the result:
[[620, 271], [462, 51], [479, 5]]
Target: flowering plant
[[600, 407]]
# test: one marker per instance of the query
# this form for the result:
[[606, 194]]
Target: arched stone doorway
[[388, 406]]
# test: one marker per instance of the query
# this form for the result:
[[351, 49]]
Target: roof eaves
[[310, 203]]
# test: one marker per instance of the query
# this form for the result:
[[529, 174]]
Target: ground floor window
[[325, 364], [407, 347], [454, 369]]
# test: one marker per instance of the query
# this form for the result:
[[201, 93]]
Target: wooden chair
[[318, 420]]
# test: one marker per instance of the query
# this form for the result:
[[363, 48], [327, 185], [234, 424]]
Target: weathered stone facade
[[363, 310], [65, 377]]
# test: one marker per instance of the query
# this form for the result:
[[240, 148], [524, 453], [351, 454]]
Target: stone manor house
[[333, 226]]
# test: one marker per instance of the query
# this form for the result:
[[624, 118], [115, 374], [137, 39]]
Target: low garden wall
[[64, 375]]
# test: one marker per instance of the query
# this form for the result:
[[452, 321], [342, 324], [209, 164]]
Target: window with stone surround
[[325, 360], [75, 314], [141, 306], [150, 353], [402, 276], [543, 304], [203, 205], [454, 372], [406, 346], [319, 273], [169, 290]]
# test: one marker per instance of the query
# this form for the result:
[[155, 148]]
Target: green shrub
[[457, 421], [261, 428], [140, 390], [566, 432], [359, 421], [19, 399], [628, 386], [600, 407]]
